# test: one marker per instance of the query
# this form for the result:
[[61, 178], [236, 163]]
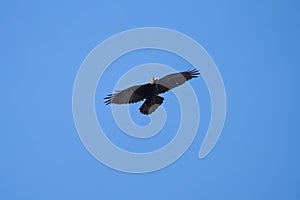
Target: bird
[[150, 91]]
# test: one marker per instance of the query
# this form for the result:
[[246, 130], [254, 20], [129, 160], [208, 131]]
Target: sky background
[[255, 45]]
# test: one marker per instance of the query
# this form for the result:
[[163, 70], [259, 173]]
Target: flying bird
[[150, 91]]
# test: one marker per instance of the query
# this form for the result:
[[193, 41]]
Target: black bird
[[150, 91]]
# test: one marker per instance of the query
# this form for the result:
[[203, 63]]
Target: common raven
[[150, 91]]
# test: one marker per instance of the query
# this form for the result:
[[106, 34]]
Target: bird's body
[[150, 91]]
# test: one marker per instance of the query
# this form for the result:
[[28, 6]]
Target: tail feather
[[150, 105]]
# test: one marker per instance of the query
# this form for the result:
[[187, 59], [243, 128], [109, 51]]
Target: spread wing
[[129, 95], [173, 80]]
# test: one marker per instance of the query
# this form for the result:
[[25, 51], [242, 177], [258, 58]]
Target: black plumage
[[150, 91]]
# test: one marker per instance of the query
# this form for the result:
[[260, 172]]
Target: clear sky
[[255, 45]]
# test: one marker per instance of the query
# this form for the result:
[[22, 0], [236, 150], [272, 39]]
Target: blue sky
[[255, 45]]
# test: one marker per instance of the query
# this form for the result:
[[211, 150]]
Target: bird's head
[[153, 80]]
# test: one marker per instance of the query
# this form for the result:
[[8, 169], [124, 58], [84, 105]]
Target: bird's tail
[[150, 105]]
